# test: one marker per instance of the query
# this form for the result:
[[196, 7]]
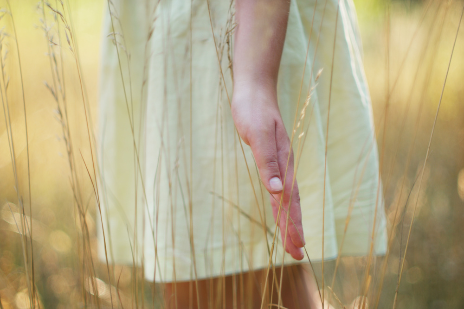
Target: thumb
[[263, 146]]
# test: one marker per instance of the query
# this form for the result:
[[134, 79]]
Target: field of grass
[[407, 50]]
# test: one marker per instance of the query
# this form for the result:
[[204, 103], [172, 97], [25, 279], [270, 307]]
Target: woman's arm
[[258, 45]]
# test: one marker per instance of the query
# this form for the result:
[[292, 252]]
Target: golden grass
[[33, 193]]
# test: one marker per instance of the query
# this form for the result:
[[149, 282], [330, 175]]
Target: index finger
[[291, 195]]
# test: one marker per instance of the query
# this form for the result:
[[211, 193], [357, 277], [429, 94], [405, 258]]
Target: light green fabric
[[178, 105]]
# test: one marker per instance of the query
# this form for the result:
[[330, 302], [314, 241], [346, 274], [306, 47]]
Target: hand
[[259, 124]]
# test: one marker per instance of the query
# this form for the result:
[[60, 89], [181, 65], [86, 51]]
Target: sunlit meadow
[[407, 50]]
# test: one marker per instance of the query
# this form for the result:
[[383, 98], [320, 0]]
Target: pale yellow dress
[[176, 193]]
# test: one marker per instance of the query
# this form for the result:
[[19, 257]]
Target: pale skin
[[258, 45], [259, 41]]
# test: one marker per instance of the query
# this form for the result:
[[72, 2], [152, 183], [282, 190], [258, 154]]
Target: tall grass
[[51, 186]]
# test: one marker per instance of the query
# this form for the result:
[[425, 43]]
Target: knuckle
[[271, 163], [245, 137], [244, 132]]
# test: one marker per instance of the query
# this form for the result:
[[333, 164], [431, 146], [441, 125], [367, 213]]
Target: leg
[[298, 290]]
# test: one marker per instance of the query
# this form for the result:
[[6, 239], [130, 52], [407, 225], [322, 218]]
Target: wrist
[[254, 90], [256, 81]]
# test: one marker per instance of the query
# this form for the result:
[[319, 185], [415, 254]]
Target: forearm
[[259, 41]]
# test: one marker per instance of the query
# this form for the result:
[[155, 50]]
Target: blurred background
[[407, 48]]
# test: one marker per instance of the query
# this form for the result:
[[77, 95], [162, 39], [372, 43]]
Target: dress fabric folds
[[177, 190]]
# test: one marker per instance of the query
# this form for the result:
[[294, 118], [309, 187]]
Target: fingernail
[[301, 252], [275, 184]]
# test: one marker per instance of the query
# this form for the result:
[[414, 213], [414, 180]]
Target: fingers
[[291, 192], [263, 145], [295, 251], [291, 199], [270, 147], [295, 227]]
